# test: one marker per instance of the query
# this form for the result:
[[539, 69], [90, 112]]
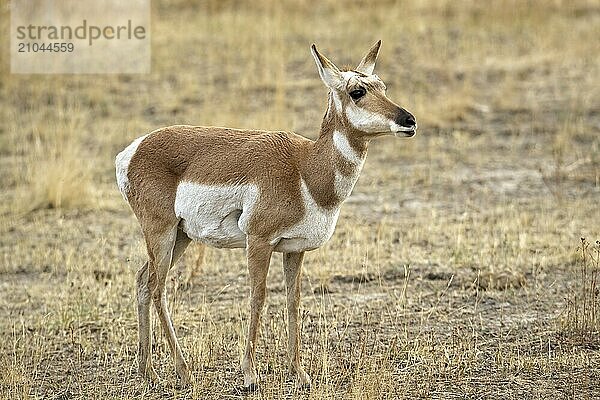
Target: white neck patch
[[340, 141], [345, 184]]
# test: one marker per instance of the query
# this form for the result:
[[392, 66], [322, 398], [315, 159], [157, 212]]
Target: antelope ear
[[367, 64], [330, 74]]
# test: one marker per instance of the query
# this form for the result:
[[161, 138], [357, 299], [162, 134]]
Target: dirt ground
[[456, 269]]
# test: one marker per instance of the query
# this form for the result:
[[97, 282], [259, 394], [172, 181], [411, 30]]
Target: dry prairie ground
[[456, 270]]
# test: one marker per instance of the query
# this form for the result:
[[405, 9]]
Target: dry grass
[[452, 271], [581, 320]]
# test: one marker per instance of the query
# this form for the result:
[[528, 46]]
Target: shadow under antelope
[[259, 190]]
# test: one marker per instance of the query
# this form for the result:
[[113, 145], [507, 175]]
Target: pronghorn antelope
[[259, 190]]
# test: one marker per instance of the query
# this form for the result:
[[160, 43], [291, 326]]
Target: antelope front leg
[[259, 256], [292, 266]]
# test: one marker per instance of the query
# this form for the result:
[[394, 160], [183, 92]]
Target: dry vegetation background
[[456, 270]]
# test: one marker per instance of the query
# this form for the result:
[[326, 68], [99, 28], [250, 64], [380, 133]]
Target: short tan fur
[[265, 191]]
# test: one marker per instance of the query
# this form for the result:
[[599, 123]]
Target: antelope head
[[359, 98]]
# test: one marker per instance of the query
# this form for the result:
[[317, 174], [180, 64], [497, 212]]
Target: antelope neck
[[334, 163]]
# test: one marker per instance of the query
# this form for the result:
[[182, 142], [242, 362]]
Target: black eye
[[358, 93]]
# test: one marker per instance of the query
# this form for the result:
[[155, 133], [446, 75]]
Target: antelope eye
[[358, 93]]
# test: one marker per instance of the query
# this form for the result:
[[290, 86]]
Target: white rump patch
[[315, 228], [216, 215], [122, 165]]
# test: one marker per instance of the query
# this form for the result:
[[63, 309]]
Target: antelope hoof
[[250, 378], [304, 380], [183, 373], [251, 388]]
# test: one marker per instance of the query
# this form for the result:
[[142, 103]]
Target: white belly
[[215, 215], [219, 216]]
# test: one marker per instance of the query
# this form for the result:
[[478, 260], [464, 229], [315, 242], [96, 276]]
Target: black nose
[[406, 119]]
